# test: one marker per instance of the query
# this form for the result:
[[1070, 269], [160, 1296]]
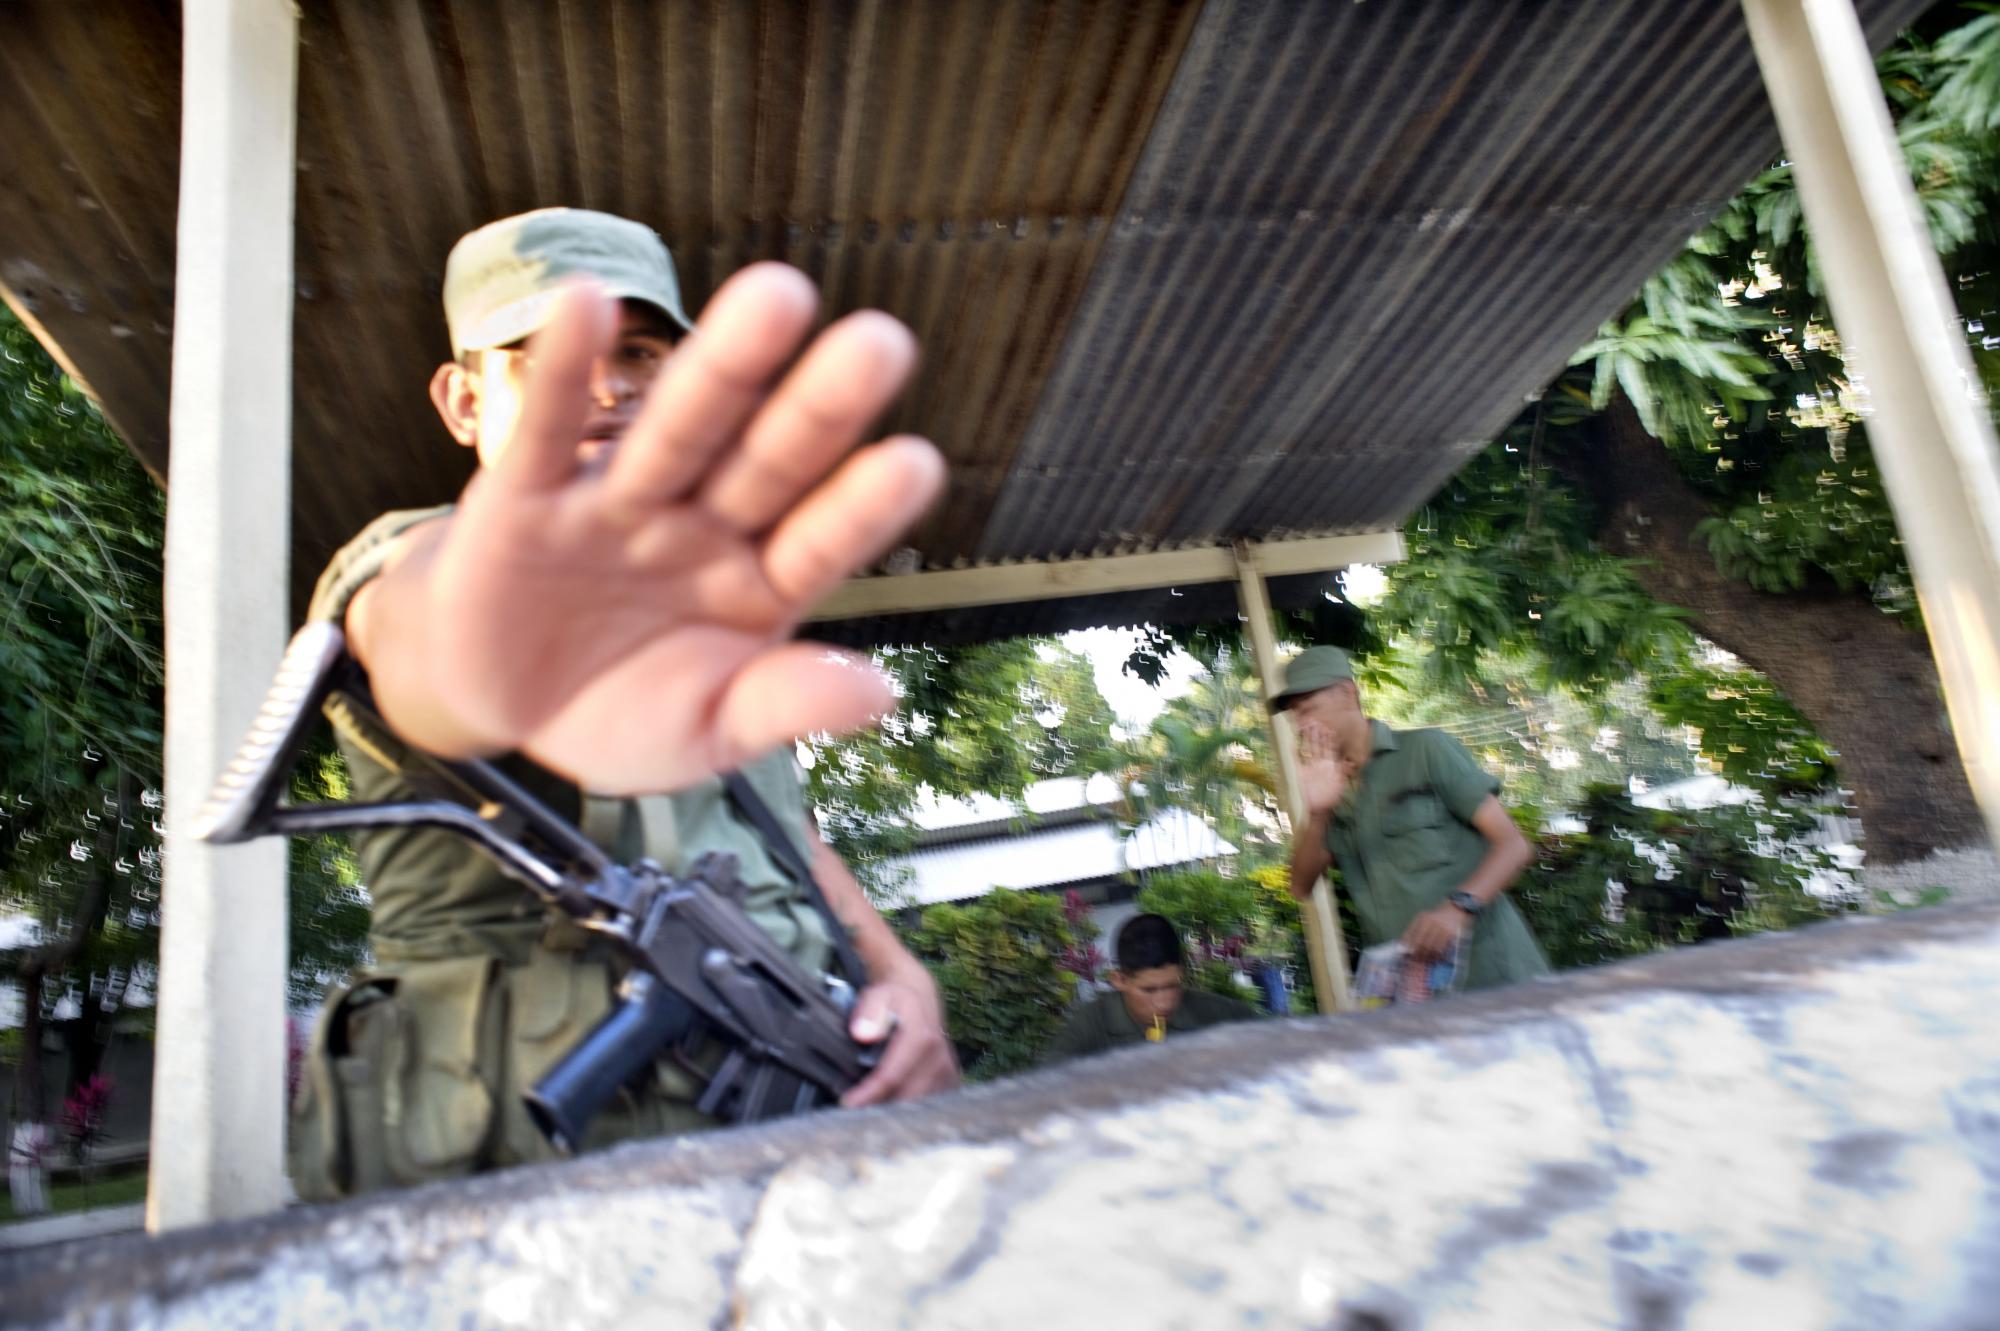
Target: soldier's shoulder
[[1212, 1007]]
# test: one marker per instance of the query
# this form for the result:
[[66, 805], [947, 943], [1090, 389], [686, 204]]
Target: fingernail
[[869, 1029]]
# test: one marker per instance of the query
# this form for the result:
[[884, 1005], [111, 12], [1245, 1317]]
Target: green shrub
[[999, 960], [1283, 934], [1232, 925], [1203, 904], [1734, 869]]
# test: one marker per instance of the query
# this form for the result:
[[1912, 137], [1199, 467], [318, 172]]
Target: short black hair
[[1147, 941]]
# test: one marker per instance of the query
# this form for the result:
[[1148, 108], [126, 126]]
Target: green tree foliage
[[1331, 619], [328, 908], [1731, 357], [1208, 752], [1636, 879], [1545, 744], [1518, 614], [1502, 563], [999, 962], [1232, 921], [1968, 63], [991, 719], [80, 690], [1204, 904], [1749, 731], [81, 677]]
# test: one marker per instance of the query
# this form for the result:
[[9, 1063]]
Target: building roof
[[1183, 273], [1063, 831], [1058, 856], [1060, 799]]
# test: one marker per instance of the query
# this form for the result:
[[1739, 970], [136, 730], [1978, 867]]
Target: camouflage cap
[[501, 281], [1310, 671]]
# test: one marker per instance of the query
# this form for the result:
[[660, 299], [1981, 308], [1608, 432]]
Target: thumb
[[874, 1016]]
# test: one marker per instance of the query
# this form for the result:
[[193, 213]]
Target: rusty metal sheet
[[90, 99], [1182, 272], [1331, 283], [924, 159]]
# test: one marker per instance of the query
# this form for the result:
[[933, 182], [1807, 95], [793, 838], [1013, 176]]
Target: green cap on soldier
[[1311, 670], [501, 281]]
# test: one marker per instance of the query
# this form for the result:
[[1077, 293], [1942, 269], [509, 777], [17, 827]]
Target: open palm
[[1323, 774], [626, 618]]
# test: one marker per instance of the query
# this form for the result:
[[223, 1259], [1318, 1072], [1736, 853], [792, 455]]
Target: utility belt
[[418, 1065]]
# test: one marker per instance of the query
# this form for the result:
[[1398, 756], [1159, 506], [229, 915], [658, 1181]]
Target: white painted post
[[1325, 944], [1929, 425], [219, 1076]]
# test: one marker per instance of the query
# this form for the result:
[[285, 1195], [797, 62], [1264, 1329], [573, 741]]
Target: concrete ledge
[[1785, 1131], [72, 1226]]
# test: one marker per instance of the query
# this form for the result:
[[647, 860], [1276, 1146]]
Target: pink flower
[[83, 1110]]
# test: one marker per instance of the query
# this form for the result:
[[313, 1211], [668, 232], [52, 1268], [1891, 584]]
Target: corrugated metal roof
[[1182, 272], [1355, 263]]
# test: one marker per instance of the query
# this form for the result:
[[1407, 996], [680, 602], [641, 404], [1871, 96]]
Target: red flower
[[83, 1110]]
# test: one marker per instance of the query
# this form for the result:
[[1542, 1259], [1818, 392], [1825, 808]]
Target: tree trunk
[[84, 1036], [84, 1039], [53, 958], [1867, 683], [31, 1090]]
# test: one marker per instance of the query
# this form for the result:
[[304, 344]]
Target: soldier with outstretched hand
[[608, 610]]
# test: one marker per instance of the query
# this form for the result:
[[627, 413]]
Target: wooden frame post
[[219, 1073], [1932, 436], [1325, 944]]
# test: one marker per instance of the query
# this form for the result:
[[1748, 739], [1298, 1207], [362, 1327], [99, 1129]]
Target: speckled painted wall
[[1797, 1131]]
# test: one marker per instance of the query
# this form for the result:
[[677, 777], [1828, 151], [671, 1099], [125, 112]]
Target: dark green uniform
[[1404, 841], [418, 1063], [1103, 1023]]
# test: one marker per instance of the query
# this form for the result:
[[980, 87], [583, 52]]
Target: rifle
[[694, 964]]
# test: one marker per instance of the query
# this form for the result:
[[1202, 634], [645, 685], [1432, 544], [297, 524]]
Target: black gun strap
[[748, 803]]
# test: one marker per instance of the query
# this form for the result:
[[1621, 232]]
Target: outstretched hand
[[623, 616]]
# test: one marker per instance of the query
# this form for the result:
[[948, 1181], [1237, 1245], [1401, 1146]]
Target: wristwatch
[[1466, 902]]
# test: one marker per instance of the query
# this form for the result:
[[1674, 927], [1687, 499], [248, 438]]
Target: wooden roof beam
[[1009, 584]]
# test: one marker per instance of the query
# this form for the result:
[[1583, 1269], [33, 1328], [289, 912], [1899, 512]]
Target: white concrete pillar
[[1932, 436], [219, 1079], [1325, 944]]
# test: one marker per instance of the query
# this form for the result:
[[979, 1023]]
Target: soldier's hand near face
[[1323, 773], [624, 618]]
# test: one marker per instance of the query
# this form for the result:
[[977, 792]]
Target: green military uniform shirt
[[1103, 1023], [476, 989], [1404, 841]]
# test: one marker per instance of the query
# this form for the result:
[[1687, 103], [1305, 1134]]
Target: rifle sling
[[759, 815]]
